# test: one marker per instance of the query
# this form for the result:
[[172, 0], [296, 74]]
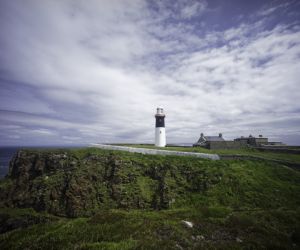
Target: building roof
[[213, 138], [204, 139]]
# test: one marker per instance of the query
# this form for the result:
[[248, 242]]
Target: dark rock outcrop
[[64, 184]]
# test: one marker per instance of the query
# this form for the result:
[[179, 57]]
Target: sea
[[6, 154]]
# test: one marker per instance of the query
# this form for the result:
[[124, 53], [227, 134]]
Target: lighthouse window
[[160, 132]]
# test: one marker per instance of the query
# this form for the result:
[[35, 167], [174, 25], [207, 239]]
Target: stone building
[[253, 141], [218, 142], [203, 140]]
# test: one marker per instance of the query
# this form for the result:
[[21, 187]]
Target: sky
[[80, 72]]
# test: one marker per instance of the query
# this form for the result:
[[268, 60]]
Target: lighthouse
[[160, 131]]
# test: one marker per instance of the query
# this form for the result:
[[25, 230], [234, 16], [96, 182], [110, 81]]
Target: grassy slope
[[116, 229], [233, 204], [253, 152]]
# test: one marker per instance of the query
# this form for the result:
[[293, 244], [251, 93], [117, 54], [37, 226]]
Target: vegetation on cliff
[[121, 200]]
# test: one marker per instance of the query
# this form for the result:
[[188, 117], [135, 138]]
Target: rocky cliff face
[[79, 182], [62, 183], [228, 204]]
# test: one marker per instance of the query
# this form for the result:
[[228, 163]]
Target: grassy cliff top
[[245, 151], [121, 200]]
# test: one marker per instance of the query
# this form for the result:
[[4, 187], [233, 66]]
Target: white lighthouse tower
[[160, 131]]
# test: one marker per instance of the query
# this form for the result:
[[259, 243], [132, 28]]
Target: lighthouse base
[[160, 137]]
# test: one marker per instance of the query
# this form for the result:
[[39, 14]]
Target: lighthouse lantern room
[[160, 131]]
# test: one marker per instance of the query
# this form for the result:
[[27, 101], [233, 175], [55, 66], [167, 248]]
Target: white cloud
[[192, 9], [268, 10], [97, 72]]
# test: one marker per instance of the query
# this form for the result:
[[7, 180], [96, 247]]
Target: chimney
[[220, 135]]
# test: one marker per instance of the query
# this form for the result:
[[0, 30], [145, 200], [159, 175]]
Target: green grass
[[214, 228], [246, 151], [82, 152], [187, 181], [233, 204]]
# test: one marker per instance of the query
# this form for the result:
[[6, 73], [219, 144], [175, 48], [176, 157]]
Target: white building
[[160, 131]]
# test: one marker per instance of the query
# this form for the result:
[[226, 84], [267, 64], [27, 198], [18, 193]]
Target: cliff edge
[[77, 182], [125, 200]]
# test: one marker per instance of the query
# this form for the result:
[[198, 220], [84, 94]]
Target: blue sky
[[77, 72]]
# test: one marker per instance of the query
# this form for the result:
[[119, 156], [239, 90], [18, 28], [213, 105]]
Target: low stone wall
[[200, 155], [277, 149], [156, 151], [226, 144]]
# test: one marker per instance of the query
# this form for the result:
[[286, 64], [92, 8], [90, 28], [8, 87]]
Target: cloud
[[80, 73], [269, 9], [192, 9]]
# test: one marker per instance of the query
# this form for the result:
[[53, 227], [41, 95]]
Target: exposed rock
[[63, 184], [238, 240], [179, 247], [188, 224], [200, 237]]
